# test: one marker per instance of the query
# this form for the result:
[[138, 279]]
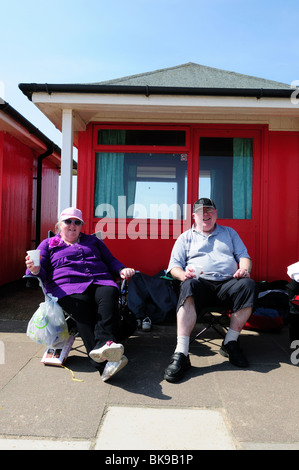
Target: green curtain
[[130, 177], [218, 188], [242, 178], [109, 183], [109, 175]]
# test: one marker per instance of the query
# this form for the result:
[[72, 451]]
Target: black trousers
[[96, 314], [233, 294]]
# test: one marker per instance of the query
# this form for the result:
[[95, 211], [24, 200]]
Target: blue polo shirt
[[217, 254]]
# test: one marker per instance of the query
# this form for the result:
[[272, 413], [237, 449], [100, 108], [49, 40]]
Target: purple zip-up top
[[70, 269]]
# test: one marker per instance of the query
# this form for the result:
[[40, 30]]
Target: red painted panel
[[283, 203], [18, 194], [145, 246], [16, 187], [148, 256]]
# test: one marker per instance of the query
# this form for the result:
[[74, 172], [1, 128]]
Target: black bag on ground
[[127, 324], [272, 307], [152, 296]]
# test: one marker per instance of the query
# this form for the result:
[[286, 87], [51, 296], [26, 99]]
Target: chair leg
[[211, 323], [200, 333]]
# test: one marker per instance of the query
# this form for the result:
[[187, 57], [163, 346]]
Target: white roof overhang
[[156, 108]]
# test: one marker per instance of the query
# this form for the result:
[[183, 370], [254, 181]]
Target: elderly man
[[213, 265]]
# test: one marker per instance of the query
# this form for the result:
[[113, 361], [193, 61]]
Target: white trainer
[[111, 368], [111, 352], [146, 324]]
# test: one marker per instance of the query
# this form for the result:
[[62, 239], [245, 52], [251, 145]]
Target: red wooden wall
[[17, 204]]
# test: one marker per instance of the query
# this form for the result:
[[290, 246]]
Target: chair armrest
[[41, 284]]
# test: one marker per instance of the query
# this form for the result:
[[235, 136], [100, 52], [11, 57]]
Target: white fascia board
[[9, 125], [86, 100]]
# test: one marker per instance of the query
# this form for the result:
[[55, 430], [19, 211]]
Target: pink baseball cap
[[71, 213]]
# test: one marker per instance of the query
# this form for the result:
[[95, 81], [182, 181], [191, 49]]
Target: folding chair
[[215, 317]]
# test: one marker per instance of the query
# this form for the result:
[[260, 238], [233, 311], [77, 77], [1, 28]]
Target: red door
[[214, 176]]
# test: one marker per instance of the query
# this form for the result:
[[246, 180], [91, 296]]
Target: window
[[148, 137], [225, 175], [140, 185], [148, 183]]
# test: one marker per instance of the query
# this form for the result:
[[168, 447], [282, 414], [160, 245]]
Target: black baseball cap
[[203, 202]]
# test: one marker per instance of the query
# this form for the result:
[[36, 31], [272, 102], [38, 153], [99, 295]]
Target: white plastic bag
[[48, 325]]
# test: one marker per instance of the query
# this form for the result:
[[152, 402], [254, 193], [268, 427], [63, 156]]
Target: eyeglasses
[[70, 222]]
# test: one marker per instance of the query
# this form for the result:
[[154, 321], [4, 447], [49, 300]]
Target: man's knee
[[247, 285]]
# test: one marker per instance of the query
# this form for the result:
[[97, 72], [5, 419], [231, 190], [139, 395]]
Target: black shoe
[[178, 365], [233, 352]]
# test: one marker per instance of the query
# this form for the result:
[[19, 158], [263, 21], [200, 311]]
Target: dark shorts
[[233, 294]]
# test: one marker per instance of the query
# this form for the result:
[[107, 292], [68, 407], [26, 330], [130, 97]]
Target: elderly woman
[[80, 271]]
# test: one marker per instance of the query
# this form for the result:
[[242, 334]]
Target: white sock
[[231, 335], [182, 345]]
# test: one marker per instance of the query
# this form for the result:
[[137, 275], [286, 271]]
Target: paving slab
[[163, 429], [44, 401], [42, 444]]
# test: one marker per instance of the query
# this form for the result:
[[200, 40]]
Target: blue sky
[[74, 41]]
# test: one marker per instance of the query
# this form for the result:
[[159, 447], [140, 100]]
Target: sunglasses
[[206, 210], [70, 222]]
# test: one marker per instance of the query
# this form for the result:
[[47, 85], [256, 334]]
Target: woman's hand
[[126, 273], [30, 265]]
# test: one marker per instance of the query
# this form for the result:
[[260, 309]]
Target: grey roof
[[195, 76]]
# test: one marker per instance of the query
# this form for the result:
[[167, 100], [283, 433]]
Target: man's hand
[[190, 273], [241, 273]]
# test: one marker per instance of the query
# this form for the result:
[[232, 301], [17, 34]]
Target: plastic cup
[[197, 269], [34, 256]]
